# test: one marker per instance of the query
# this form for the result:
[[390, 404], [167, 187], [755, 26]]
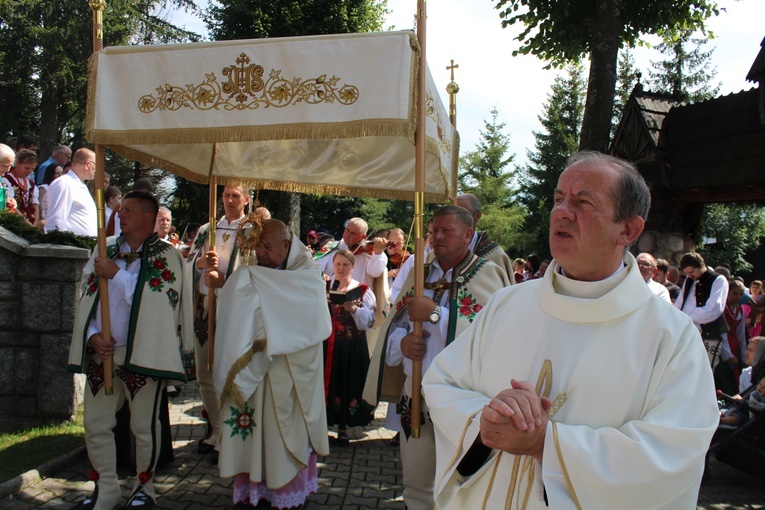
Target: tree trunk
[[601, 85], [48, 119], [295, 213]]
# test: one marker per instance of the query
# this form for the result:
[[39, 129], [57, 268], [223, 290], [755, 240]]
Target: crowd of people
[[293, 343]]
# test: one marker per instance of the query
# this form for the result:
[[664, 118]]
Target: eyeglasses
[[90, 163]]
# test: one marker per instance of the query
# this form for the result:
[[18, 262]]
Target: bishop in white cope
[[581, 389]]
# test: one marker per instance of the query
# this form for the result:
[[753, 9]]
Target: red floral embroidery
[[468, 306], [93, 475], [159, 274], [92, 284], [144, 477]]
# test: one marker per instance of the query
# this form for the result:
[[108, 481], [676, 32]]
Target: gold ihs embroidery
[[245, 89]]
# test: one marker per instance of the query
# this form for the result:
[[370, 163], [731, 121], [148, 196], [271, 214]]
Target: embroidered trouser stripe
[[100, 418]]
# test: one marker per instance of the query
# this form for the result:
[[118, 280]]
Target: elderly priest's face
[[271, 250]]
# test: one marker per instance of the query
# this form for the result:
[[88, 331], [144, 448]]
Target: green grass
[[27, 449]]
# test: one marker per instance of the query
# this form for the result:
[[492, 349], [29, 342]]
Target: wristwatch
[[435, 315]]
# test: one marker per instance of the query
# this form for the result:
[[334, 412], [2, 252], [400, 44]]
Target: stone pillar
[[38, 289]]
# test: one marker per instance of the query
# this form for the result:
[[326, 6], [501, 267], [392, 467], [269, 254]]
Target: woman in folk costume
[[346, 354], [19, 187], [272, 320]]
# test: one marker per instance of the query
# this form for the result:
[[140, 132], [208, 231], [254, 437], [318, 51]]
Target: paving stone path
[[366, 474]]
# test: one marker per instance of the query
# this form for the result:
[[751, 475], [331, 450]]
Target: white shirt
[[712, 309], [70, 206], [660, 290], [121, 291], [438, 331], [225, 238], [403, 271], [365, 270]]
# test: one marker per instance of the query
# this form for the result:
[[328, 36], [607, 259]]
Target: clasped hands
[[515, 420], [212, 278]]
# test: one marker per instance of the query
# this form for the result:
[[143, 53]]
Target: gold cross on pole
[[452, 68]]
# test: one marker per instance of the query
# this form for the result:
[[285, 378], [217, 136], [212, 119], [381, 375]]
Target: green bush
[[17, 225]]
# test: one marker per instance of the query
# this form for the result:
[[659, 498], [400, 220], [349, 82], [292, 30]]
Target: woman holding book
[[346, 355]]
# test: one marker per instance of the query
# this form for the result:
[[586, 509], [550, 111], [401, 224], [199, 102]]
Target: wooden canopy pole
[[419, 211], [211, 315], [98, 6]]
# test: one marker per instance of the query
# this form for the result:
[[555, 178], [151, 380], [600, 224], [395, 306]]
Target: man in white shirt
[[210, 271], [647, 265], [149, 306], [703, 298], [578, 389], [70, 206]]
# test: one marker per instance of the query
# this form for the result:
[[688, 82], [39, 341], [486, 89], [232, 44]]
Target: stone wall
[[664, 245], [38, 286]]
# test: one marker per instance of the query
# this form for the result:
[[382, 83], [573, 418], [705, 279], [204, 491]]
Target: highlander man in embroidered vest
[[457, 285], [150, 312], [210, 269], [481, 244]]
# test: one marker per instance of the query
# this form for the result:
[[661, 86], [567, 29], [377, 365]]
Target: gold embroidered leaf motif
[[243, 88]]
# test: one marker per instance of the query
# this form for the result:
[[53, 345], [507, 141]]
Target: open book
[[338, 297]]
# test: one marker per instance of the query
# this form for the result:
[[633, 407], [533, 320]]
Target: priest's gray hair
[[631, 195], [474, 205], [361, 224]]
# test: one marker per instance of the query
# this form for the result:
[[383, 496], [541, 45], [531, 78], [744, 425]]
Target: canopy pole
[[419, 211], [97, 6], [452, 89], [211, 315]]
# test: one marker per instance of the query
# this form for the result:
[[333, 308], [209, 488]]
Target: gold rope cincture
[[542, 388], [230, 390]]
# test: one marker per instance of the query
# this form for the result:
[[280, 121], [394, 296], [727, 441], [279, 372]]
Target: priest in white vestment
[[581, 389], [268, 371]]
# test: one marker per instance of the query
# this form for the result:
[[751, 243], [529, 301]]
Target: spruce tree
[[562, 121], [627, 76], [687, 72], [485, 172]]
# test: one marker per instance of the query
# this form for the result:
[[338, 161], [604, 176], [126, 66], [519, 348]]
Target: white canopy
[[321, 114]]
